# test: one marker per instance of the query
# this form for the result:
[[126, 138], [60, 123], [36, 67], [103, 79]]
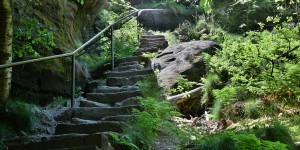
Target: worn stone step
[[95, 113], [128, 63], [128, 68], [132, 58], [130, 73], [152, 36], [115, 89], [87, 103], [124, 81], [111, 98], [155, 38], [90, 127], [98, 140], [94, 147], [119, 118], [128, 102], [141, 51]]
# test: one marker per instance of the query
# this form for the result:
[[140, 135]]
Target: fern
[[209, 83]]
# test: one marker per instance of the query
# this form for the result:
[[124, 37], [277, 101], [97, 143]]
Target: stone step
[[130, 73], [124, 81], [111, 98], [128, 102], [94, 147], [128, 63], [115, 89], [152, 36], [90, 127], [152, 39], [87, 103], [119, 118], [95, 113], [128, 68], [132, 58], [141, 51], [98, 140]]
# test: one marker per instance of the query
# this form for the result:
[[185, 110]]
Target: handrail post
[[137, 27], [112, 48], [73, 81]]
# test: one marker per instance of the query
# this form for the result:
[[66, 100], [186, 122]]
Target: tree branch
[[176, 99]]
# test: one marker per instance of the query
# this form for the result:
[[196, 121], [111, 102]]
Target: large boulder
[[161, 19], [40, 83], [182, 60]]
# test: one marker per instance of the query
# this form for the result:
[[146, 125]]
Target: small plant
[[58, 101], [223, 98], [209, 83], [237, 141], [253, 109], [154, 118], [122, 142], [32, 38], [24, 115], [183, 85], [150, 55]]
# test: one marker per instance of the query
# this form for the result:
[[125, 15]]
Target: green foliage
[[237, 141], [223, 98], [206, 5], [279, 132], [154, 118], [32, 38], [126, 39], [253, 109], [183, 85], [170, 37], [209, 82], [6, 130], [242, 15], [260, 61], [149, 55], [58, 101], [121, 143], [268, 145], [150, 87], [201, 30], [24, 115]]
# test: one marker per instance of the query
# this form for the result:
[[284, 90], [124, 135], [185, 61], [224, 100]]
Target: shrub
[[183, 85], [237, 141], [240, 16], [153, 119], [209, 83], [253, 109], [24, 115]]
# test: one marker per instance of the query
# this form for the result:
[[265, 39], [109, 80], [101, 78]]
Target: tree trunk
[[5, 50]]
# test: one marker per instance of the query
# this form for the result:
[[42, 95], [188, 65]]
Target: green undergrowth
[[58, 101], [271, 135], [23, 116], [153, 119]]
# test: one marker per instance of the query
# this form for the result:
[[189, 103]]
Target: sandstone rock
[[44, 83], [182, 60], [161, 19]]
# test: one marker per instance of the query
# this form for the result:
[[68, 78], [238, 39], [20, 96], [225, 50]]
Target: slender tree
[[5, 50]]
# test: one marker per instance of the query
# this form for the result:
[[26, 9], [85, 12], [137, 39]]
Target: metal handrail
[[73, 54]]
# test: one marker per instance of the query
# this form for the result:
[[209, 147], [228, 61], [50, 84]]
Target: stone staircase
[[106, 110]]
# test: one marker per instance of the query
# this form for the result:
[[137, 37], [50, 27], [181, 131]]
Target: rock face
[[161, 19], [41, 83], [182, 60]]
